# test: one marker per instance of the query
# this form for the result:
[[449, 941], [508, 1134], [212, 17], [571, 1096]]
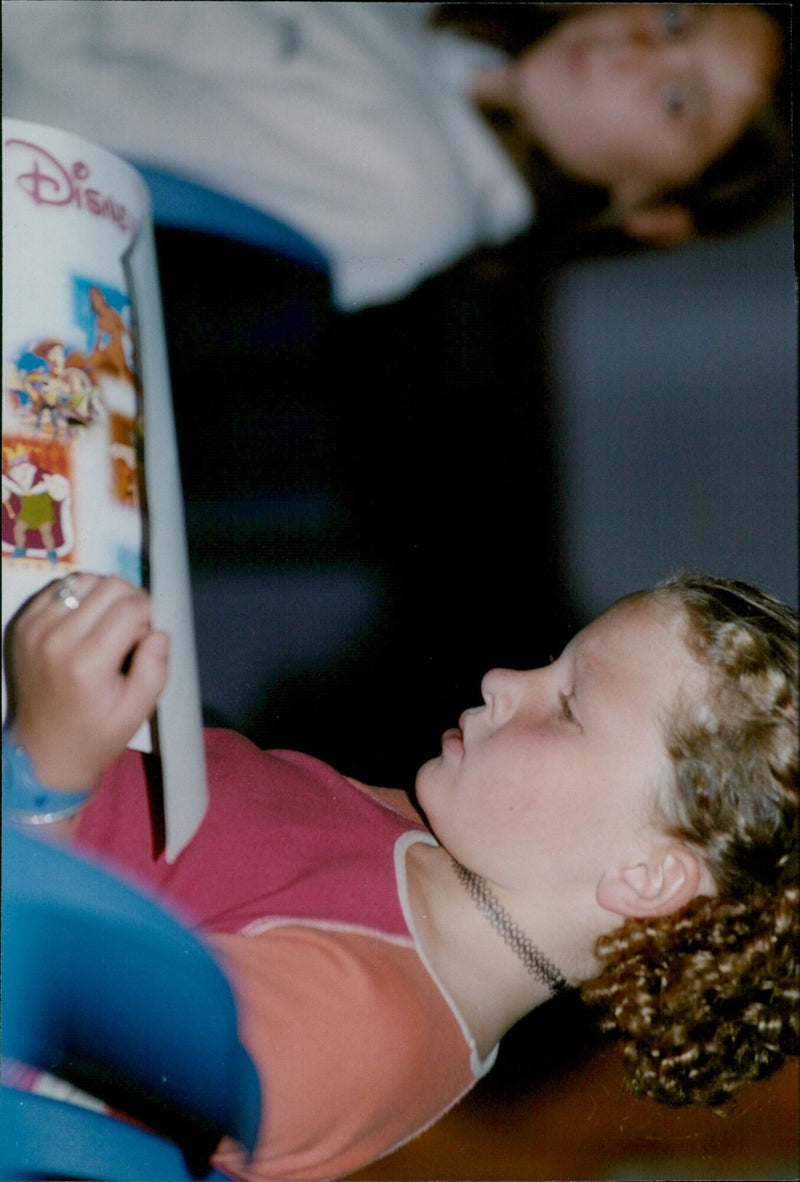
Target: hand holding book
[[87, 669], [90, 474]]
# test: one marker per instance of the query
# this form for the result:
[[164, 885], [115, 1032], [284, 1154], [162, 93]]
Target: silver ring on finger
[[67, 593]]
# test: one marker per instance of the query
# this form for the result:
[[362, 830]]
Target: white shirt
[[349, 121]]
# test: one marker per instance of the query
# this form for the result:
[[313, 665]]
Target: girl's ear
[[659, 225], [664, 883]]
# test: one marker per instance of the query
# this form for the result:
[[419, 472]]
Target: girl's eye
[[676, 19], [675, 100], [566, 709]]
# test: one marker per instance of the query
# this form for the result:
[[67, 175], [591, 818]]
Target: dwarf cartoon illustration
[[33, 503]]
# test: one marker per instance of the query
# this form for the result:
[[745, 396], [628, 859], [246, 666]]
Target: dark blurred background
[[382, 506]]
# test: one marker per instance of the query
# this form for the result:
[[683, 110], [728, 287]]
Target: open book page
[[90, 468]]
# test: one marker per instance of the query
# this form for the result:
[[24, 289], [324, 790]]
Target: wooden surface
[[581, 1125]]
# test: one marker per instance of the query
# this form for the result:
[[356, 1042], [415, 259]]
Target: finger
[[62, 605], [71, 590], [143, 682], [91, 596], [45, 605], [63, 630], [116, 625], [29, 631]]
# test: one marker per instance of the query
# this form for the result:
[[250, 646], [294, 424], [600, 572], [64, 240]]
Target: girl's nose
[[501, 689]]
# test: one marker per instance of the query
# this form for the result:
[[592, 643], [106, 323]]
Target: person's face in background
[[641, 98]]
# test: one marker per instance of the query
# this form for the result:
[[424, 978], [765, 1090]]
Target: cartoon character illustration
[[123, 450], [108, 355], [60, 392], [34, 507]]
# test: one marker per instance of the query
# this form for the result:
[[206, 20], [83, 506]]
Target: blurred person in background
[[399, 137]]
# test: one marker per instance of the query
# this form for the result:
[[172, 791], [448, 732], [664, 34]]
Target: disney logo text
[[48, 182]]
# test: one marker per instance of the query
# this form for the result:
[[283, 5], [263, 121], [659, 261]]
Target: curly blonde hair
[[707, 999]]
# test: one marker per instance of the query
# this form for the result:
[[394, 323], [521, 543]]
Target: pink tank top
[[284, 836]]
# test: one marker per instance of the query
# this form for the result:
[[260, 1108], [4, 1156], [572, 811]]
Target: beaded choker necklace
[[521, 945]]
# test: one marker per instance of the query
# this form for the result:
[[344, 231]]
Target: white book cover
[[90, 466]]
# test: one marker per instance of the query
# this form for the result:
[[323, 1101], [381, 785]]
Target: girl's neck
[[487, 980]]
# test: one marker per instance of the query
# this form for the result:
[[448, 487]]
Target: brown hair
[[748, 183], [707, 999]]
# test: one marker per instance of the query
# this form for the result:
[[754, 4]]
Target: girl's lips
[[453, 739]]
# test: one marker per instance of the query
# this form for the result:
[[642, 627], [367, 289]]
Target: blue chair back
[[106, 990], [186, 204]]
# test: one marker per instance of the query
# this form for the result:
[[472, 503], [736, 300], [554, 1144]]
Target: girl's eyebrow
[[586, 663], [582, 660]]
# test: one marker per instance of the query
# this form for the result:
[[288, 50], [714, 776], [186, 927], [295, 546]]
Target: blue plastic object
[[42, 1138], [103, 988], [187, 204]]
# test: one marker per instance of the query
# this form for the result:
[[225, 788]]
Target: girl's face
[[554, 777], [641, 98]]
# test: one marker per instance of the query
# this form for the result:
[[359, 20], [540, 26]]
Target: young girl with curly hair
[[707, 999], [623, 820]]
